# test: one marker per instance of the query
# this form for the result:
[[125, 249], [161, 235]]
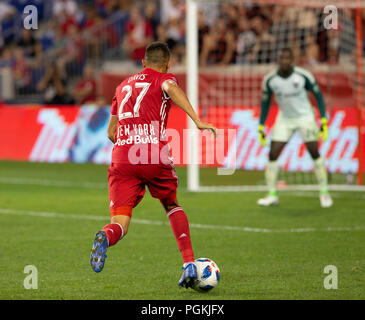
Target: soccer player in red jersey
[[141, 158]]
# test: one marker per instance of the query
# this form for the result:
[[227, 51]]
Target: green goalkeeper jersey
[[291, 94]]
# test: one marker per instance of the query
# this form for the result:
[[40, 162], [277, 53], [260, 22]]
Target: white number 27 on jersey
[[124, 115]]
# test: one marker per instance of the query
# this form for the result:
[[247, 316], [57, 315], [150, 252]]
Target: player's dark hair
[[288, 50], [157, 54]]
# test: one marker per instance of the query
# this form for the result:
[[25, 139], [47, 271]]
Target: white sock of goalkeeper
[[321, 174], [271, 175]]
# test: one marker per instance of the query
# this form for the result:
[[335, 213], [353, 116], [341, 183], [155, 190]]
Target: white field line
[[247, 188], [165, 223], [53, 183], [290, 187]]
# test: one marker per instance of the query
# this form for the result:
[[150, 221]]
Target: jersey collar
[[292, 71]]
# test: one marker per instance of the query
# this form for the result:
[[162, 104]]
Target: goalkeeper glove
[[323, 132], [262, 136]]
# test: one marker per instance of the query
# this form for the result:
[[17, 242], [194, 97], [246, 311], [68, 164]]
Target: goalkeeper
[[290, 85]]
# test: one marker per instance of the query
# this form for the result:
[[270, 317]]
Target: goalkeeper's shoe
[[325, 199], [189, 276], [98, 251], [269, 200]]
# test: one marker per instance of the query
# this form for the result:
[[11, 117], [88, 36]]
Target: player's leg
[[281, 133], [320, 173], [180, 227], [309, 132], [108, 236], [118, 226], [162, 185], [125, 192], [271, 174], [272, 170]]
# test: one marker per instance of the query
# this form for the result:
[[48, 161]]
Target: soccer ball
[[208, 274]]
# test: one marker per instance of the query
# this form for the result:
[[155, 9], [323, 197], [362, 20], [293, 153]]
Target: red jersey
[[142, 108]]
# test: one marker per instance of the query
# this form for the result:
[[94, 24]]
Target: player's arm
[[112, 128], [179, 97], [113, 122], [265, 106], [312, 86]]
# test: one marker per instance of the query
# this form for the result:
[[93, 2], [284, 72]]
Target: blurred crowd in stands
[[75, 36]]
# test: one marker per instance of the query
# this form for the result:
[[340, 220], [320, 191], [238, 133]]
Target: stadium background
[[93, 45], [53, 197]]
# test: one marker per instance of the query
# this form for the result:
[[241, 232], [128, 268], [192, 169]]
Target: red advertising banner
[[340, 149], [79, 134], [22, 128]]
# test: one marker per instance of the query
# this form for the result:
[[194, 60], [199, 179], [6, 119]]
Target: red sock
[[180, 227], [114, 232]]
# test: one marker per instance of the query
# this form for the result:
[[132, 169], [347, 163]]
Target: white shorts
[[284, 128]]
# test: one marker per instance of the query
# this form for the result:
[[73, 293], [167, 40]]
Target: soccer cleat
[[269, 200], [98, 251], [326, 200], [189, 276]]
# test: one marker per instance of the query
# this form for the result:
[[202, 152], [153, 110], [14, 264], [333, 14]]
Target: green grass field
[[49, 214]]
